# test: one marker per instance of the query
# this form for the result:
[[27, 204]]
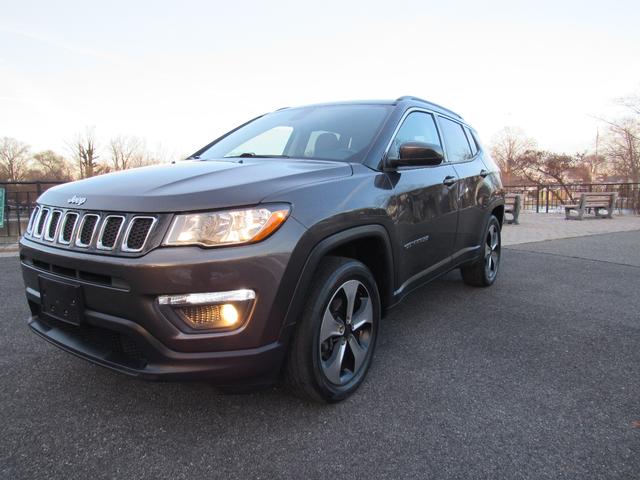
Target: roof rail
[[417, 99]]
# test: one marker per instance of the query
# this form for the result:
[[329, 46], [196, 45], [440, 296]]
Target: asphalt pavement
[[535, 377]]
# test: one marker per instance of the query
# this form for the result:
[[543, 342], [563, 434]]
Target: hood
[[193, 185]]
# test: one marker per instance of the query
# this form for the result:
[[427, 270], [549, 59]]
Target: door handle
[[449, 180], [483, 173]]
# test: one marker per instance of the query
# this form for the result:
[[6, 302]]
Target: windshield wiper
[[253, 155]]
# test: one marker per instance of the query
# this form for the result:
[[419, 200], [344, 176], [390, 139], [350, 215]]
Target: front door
[[423, 206]]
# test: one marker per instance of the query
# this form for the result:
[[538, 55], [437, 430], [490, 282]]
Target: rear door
[[423, 206], [473, 193]]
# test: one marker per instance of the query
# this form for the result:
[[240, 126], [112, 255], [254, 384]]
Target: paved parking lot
[[536, 227], [536, 377]]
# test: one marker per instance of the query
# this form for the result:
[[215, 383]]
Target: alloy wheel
[[492, 252], [346, 332]]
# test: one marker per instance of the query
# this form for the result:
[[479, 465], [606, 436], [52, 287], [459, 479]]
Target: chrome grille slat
[[41, 222], [137, 233], [52, 225], [87, 230], [32, 219], [110, 231], [67, 228]]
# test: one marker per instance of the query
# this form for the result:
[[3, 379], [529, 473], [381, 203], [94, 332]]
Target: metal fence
[[552, 197], [20, 198]]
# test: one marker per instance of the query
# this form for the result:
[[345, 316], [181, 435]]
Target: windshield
[[335, 132]]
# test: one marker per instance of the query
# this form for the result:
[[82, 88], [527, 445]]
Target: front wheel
[[333, 345], [483, 272]]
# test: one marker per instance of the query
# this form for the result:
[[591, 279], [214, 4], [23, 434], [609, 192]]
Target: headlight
[[231, 227]]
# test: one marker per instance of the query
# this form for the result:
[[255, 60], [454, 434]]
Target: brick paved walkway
[[536, 227]]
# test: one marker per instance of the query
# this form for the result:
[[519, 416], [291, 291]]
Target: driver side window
[[319, 137], [417, 127]]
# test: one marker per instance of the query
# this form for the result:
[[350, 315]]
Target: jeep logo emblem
[[75, 200]]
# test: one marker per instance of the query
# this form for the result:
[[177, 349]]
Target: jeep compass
[[271, 253]]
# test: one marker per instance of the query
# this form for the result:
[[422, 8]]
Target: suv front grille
[[87, 229], [68, 225], [138, 232], [32, 219], [52, 228], [42, 219], [96, 232], [110, 231]]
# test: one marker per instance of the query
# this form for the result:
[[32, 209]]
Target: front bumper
[[120, 345], [125, 329]]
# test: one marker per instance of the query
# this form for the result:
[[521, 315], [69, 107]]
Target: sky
[[179, 74]]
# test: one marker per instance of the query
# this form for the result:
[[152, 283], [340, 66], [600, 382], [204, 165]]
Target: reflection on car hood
[[194, 185]]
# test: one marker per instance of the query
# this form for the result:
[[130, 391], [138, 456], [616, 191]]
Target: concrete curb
[[8, 250]]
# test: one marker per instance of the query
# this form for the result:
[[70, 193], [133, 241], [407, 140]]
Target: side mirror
[[418, 154]]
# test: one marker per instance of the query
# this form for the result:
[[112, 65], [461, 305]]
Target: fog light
[[229, 314], [215, 310]]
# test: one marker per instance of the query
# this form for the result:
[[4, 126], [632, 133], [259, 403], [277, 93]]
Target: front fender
[[315, 255]]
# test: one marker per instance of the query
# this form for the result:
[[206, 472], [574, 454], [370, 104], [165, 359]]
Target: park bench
[[512, 205], [595, 201]]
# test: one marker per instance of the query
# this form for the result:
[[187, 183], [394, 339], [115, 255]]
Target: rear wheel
[[332, 348], [484, 271]]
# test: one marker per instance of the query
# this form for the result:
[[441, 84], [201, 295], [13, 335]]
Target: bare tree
[[541, 167], [160, 155], [131, 152], [84, 148], [593, 164], [51, 166], [507, 146], [623, 147], [14, 159], [632, 102], [622, 142], [127, 152]]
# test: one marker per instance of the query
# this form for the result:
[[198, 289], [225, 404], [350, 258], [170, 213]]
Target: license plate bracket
[[61, 300]]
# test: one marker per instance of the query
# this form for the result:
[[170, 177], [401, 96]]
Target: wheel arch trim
[[321, 249]]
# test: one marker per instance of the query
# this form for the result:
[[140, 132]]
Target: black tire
[[479, 273], [306, 366]]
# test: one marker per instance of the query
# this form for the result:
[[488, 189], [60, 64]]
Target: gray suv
[[273, 252]]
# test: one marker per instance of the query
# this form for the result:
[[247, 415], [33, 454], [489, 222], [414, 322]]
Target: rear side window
[[458, 149], [417, 127], [472, 140]]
